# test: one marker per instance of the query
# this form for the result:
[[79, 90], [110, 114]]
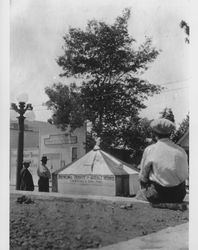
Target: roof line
[[123, 162]]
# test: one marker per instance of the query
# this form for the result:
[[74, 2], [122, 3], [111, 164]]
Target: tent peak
[[97, 146]]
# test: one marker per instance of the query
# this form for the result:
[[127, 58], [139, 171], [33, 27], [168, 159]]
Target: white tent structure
[[97, 173]]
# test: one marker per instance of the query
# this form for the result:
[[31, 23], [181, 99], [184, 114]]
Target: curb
[[51, 196]]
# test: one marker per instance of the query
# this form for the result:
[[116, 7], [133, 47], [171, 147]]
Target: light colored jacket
[[165, 163], [43, 171]]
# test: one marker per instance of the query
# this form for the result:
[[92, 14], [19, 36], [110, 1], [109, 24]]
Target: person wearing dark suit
[[27, 183]]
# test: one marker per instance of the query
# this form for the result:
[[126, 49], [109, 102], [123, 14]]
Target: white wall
[[84, 189], [58, 151], [86, 186]]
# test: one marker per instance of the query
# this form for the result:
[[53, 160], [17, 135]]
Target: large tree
[[66, 104], [110, 63]]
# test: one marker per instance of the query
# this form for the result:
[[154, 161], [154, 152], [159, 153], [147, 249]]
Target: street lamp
[[20, 109]]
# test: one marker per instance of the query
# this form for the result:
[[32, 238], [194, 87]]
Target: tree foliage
[[186, 28], [66, 104], [167, 113], [183, 128], [104, 51], [110, 63]]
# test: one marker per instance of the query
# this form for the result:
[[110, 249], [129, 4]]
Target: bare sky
[[37, 28]]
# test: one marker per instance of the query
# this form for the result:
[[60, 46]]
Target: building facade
[[42, 138], [61, 148]]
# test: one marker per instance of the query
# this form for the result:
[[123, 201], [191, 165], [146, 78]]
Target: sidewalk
[[171, 238]]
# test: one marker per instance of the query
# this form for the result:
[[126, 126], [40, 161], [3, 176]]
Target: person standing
[[44, 176], [27, 183], [164, 166]]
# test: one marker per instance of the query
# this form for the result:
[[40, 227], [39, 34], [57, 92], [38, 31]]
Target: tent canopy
[[116, 177], [98, 162]]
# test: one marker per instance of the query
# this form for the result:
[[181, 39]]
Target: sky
[[37, 28]]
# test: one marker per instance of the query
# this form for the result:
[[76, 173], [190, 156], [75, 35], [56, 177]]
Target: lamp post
[[20, 109]]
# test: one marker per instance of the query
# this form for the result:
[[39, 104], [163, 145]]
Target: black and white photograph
[[99, 112]]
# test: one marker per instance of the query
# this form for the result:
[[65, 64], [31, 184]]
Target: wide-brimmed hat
[[26, 162], [162, 126], [44, 158]]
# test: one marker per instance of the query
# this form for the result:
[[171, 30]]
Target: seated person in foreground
[[164, 167]]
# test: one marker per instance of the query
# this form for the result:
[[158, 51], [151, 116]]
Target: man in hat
[[44, 176], [27, 183], [164, 166]]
